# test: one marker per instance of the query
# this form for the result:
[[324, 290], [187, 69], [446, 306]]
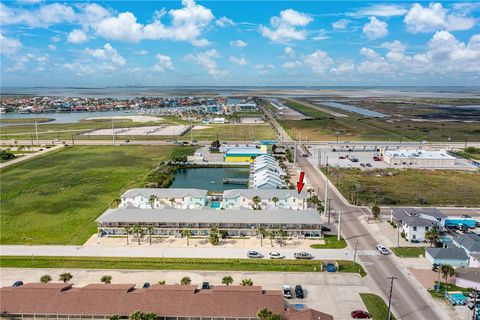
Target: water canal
[[210, 178]]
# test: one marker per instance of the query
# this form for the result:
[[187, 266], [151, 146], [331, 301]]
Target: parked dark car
[[17, 283], [435, 267], [360, 314], [205, 285], [325, 229], [299, 292], [146, 285]]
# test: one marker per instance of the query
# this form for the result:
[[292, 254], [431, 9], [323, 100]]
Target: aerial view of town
[[239, 160]]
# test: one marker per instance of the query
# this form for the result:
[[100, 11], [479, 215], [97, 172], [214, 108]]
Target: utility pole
[[36, 131], [329, 208], [475, 292], [31, 139], [438, 280], [339, 224], [191, 132], [326, 190], [73, 141], [398, 235], [113, 133], [392, 278]]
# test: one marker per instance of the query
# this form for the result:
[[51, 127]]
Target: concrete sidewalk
[[134, 250]]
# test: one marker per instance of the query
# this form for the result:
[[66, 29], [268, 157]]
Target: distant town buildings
[[418, 157]]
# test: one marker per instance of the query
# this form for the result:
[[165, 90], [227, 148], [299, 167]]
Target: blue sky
[[46, 43]]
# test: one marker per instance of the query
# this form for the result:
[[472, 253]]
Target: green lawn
[[375, 305], [409, 187], [55, 198], [446, 287], [330, 243], [172, 264], [239, 132], [408, 252]]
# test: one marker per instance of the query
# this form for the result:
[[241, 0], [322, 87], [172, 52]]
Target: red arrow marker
[[300, 183]]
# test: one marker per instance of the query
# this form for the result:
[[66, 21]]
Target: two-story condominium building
[[285, 199], [468, 242], [265, 173], [159, 198], [171, 222], [414, 222]]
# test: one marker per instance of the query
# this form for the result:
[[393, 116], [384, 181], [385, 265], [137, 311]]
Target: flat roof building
[[418, 157], [168, 302], [243, 154]]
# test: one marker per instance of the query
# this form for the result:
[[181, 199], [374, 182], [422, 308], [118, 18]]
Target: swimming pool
[[215, 205]]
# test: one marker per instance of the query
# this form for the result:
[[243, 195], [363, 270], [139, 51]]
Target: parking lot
[[332, 293], [349, 156]]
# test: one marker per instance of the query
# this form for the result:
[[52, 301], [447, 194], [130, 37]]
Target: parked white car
[[287, 291], [276, 255], [383, 250]]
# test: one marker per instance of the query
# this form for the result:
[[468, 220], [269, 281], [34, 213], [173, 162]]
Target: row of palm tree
[[265, 314], [64, 277], [153, 198]]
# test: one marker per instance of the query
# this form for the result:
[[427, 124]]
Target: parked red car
[[360, 314]]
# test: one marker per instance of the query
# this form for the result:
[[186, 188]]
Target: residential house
[[468, 278], [455, 257], [414, 223], [469, 242], [474, 260], [177, 198]]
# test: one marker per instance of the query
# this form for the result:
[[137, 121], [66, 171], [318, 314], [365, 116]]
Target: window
[[414, 237], [414, 229], [426, 228]]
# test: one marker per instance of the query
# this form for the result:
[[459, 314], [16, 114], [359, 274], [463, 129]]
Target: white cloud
[[241, 61], [238, 44], [319, 61], [343, 68], [291, 64], [43, 16], [34, 62], [340, 24], [108, 53], [287, 26], [52, 47], [375, 29], [141, 52], [445, 54], [224, 22], [380, 10], [289, 52], [9, 46], [321, 35], [124, 27], [206, 60], [435, 17], [30, 1], [77, 36], [264, 68], [56, 39], [163, 63]]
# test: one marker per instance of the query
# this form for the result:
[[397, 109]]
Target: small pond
[[210, 178]]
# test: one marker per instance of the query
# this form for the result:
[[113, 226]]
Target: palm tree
[[275, 200], [149, 316], [271, 236], [137, 230], [187, 233], [45, 278], [281, 233], [256, 200], [376, 212], [65, 277], [150, 230], [314, 200], [228, 280], [264, 314], [127, 231], [432, 236], [320, 208], [275, 317], [152, 200], [137, 315], [447, 271], [106, 279], [263, 233], [162, 282], [247, 282], [310, 191], [213, 237], [185, 281], [114, 317], [172, 201]]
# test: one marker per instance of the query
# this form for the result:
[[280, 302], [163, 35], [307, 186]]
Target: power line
[[392, 278]]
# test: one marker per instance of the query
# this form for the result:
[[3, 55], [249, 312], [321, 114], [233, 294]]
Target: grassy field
[[25, 120], [469, 153], [375, 306], [239, 132], [325, 126], [408, 252], [409, 187], [330, 243], [55, 198], [173, 264]]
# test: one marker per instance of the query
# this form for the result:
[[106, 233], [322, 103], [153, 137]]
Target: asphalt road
[[408, 302]]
